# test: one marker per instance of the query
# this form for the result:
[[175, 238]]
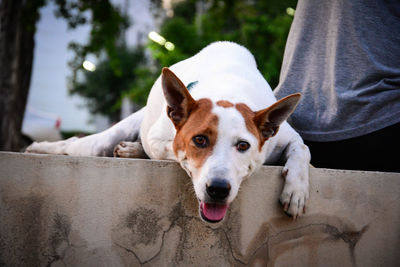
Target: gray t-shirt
[[344, 57]]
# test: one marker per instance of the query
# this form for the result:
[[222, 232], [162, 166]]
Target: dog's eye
[[242, 146], [200, 141]]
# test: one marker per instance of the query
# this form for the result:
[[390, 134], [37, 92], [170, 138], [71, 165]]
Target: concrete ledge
[[78, 211]]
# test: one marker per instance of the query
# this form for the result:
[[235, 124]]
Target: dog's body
[[220, 132]]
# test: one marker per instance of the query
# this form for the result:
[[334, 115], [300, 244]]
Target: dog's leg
[[161, 148], [100, 144], [50, 147], [130, 150], [297, 159], [160, 139]]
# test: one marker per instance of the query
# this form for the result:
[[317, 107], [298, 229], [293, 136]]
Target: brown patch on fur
[[224, 104], [200, 122], [248, 116]]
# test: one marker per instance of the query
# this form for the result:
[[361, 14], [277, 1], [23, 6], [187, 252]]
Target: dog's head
[[219, 144]]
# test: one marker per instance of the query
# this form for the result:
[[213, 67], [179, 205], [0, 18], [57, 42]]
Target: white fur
[[224, 71], [226, 161]]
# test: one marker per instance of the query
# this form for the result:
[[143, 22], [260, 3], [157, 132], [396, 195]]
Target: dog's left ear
[[268, 120], [179, 101]]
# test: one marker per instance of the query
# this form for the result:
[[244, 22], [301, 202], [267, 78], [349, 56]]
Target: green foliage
[[184, 35], [106, 23], [105, 87], [261, 26], [141, 85], [116, 72]]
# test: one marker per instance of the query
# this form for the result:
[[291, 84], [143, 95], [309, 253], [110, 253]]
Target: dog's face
[[219, 144]]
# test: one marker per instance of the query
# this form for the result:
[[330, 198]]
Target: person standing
[[344, 57]]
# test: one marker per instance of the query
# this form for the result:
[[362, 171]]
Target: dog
[[217, 116]]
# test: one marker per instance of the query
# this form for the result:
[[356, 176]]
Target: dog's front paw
[[129, 150], [295, 191], [35, 147]]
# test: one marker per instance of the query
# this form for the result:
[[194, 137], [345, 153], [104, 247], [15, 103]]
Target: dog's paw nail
[[116, 152], [285, 172], [304, 210], [285, 206]]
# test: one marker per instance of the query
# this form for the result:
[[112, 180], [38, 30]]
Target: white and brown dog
[[220, 127]]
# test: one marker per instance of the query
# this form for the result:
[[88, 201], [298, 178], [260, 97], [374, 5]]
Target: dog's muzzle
[[214, 208]]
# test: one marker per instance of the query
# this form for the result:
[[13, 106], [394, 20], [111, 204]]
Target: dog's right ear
[[179, 101], [268, 120]]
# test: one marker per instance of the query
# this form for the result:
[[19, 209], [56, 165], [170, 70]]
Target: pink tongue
[[214, 212]]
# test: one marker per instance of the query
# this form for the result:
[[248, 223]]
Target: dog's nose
[[218, 189]]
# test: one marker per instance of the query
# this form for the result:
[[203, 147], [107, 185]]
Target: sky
[[48, 91]]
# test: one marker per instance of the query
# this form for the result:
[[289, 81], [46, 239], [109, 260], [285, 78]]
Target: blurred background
[[75, 67]]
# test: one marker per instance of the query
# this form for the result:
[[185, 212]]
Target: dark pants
[[377, 151]]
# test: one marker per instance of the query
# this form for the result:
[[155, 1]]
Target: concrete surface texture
[[77, 211]]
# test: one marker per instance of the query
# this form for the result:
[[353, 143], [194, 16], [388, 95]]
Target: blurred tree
[[17, 30], [107, 23], [261, 26], [104, 87]]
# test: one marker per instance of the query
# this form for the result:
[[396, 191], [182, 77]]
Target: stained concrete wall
[[77, 211]]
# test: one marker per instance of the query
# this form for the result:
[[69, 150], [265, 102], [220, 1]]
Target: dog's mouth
[[213, 212]]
